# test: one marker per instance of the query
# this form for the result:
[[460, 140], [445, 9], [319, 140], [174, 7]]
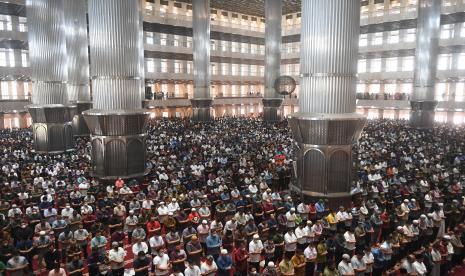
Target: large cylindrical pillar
[[117, 122], [272, 100], [202, 102], [326, 125], [77, 61], [51, 114], [422, 102]]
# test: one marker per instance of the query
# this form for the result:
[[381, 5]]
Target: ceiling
[[251, 7]]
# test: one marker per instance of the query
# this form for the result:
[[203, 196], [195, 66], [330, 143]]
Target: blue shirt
[[213, 241], [320, 207], [224, 262], [378, 256]]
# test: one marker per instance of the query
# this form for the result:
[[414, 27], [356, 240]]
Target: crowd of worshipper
[[216, 202]]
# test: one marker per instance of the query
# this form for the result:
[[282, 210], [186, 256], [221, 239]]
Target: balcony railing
[[379, 96]]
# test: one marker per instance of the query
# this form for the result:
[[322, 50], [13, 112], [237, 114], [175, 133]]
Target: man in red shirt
[[240, 256]]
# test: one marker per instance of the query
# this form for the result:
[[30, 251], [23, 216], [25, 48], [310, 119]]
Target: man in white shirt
[[255, 250], [407, 264], [350, 240], [358, 264], [310, 254], [301, 236], [345, 267], [419, 267], [162, 263], [191, 269], [290, 241], [173, 206], [67, 211], [291, 217], [116, 256], [303, 210], [138, 247]]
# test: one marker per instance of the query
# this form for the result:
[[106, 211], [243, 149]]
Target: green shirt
[[320, 249]]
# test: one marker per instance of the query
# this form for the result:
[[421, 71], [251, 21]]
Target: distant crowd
[[216, 202]]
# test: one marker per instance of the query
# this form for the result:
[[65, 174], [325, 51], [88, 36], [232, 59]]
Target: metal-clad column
[[326, 125], [202, 102], [272, 100], [78, 61], [422, 102], [117, 122], [51, 114]]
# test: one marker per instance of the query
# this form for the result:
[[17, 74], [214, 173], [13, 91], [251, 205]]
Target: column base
[[52, 128], [201, 110], [422, 114], [271, 108], [80, 128], [118, 142], [323, 166]]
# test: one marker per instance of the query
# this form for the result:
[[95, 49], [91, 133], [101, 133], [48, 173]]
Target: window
[[244, 70], [26, 88], [14, 90], [176, 39], [149, 38], [224, 69], [395, 7], [163, 39], [24, 59], [4, 89], [447, 31], [409, 35], [393, 37], [234, 69], [177, 66], [462, 30], [22, 24], [375, 65], [444, 62], [213, 68], [379, 10], [253, 70], [361, 87], [234, 47], [391, 64], [189, 67], [5, 23], [2, 57], [407, 88], [244, 90], [213, 45], [374, 88], [164, 66], [442, 89], [150, 66], [362, 66], [390, 88], [11, 57], [377, 39], [244, 47], [177, 91], [254, 49], [224, 45], [234, 90], [363, 40], [363, 12], [459, 91], [407, 64]]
